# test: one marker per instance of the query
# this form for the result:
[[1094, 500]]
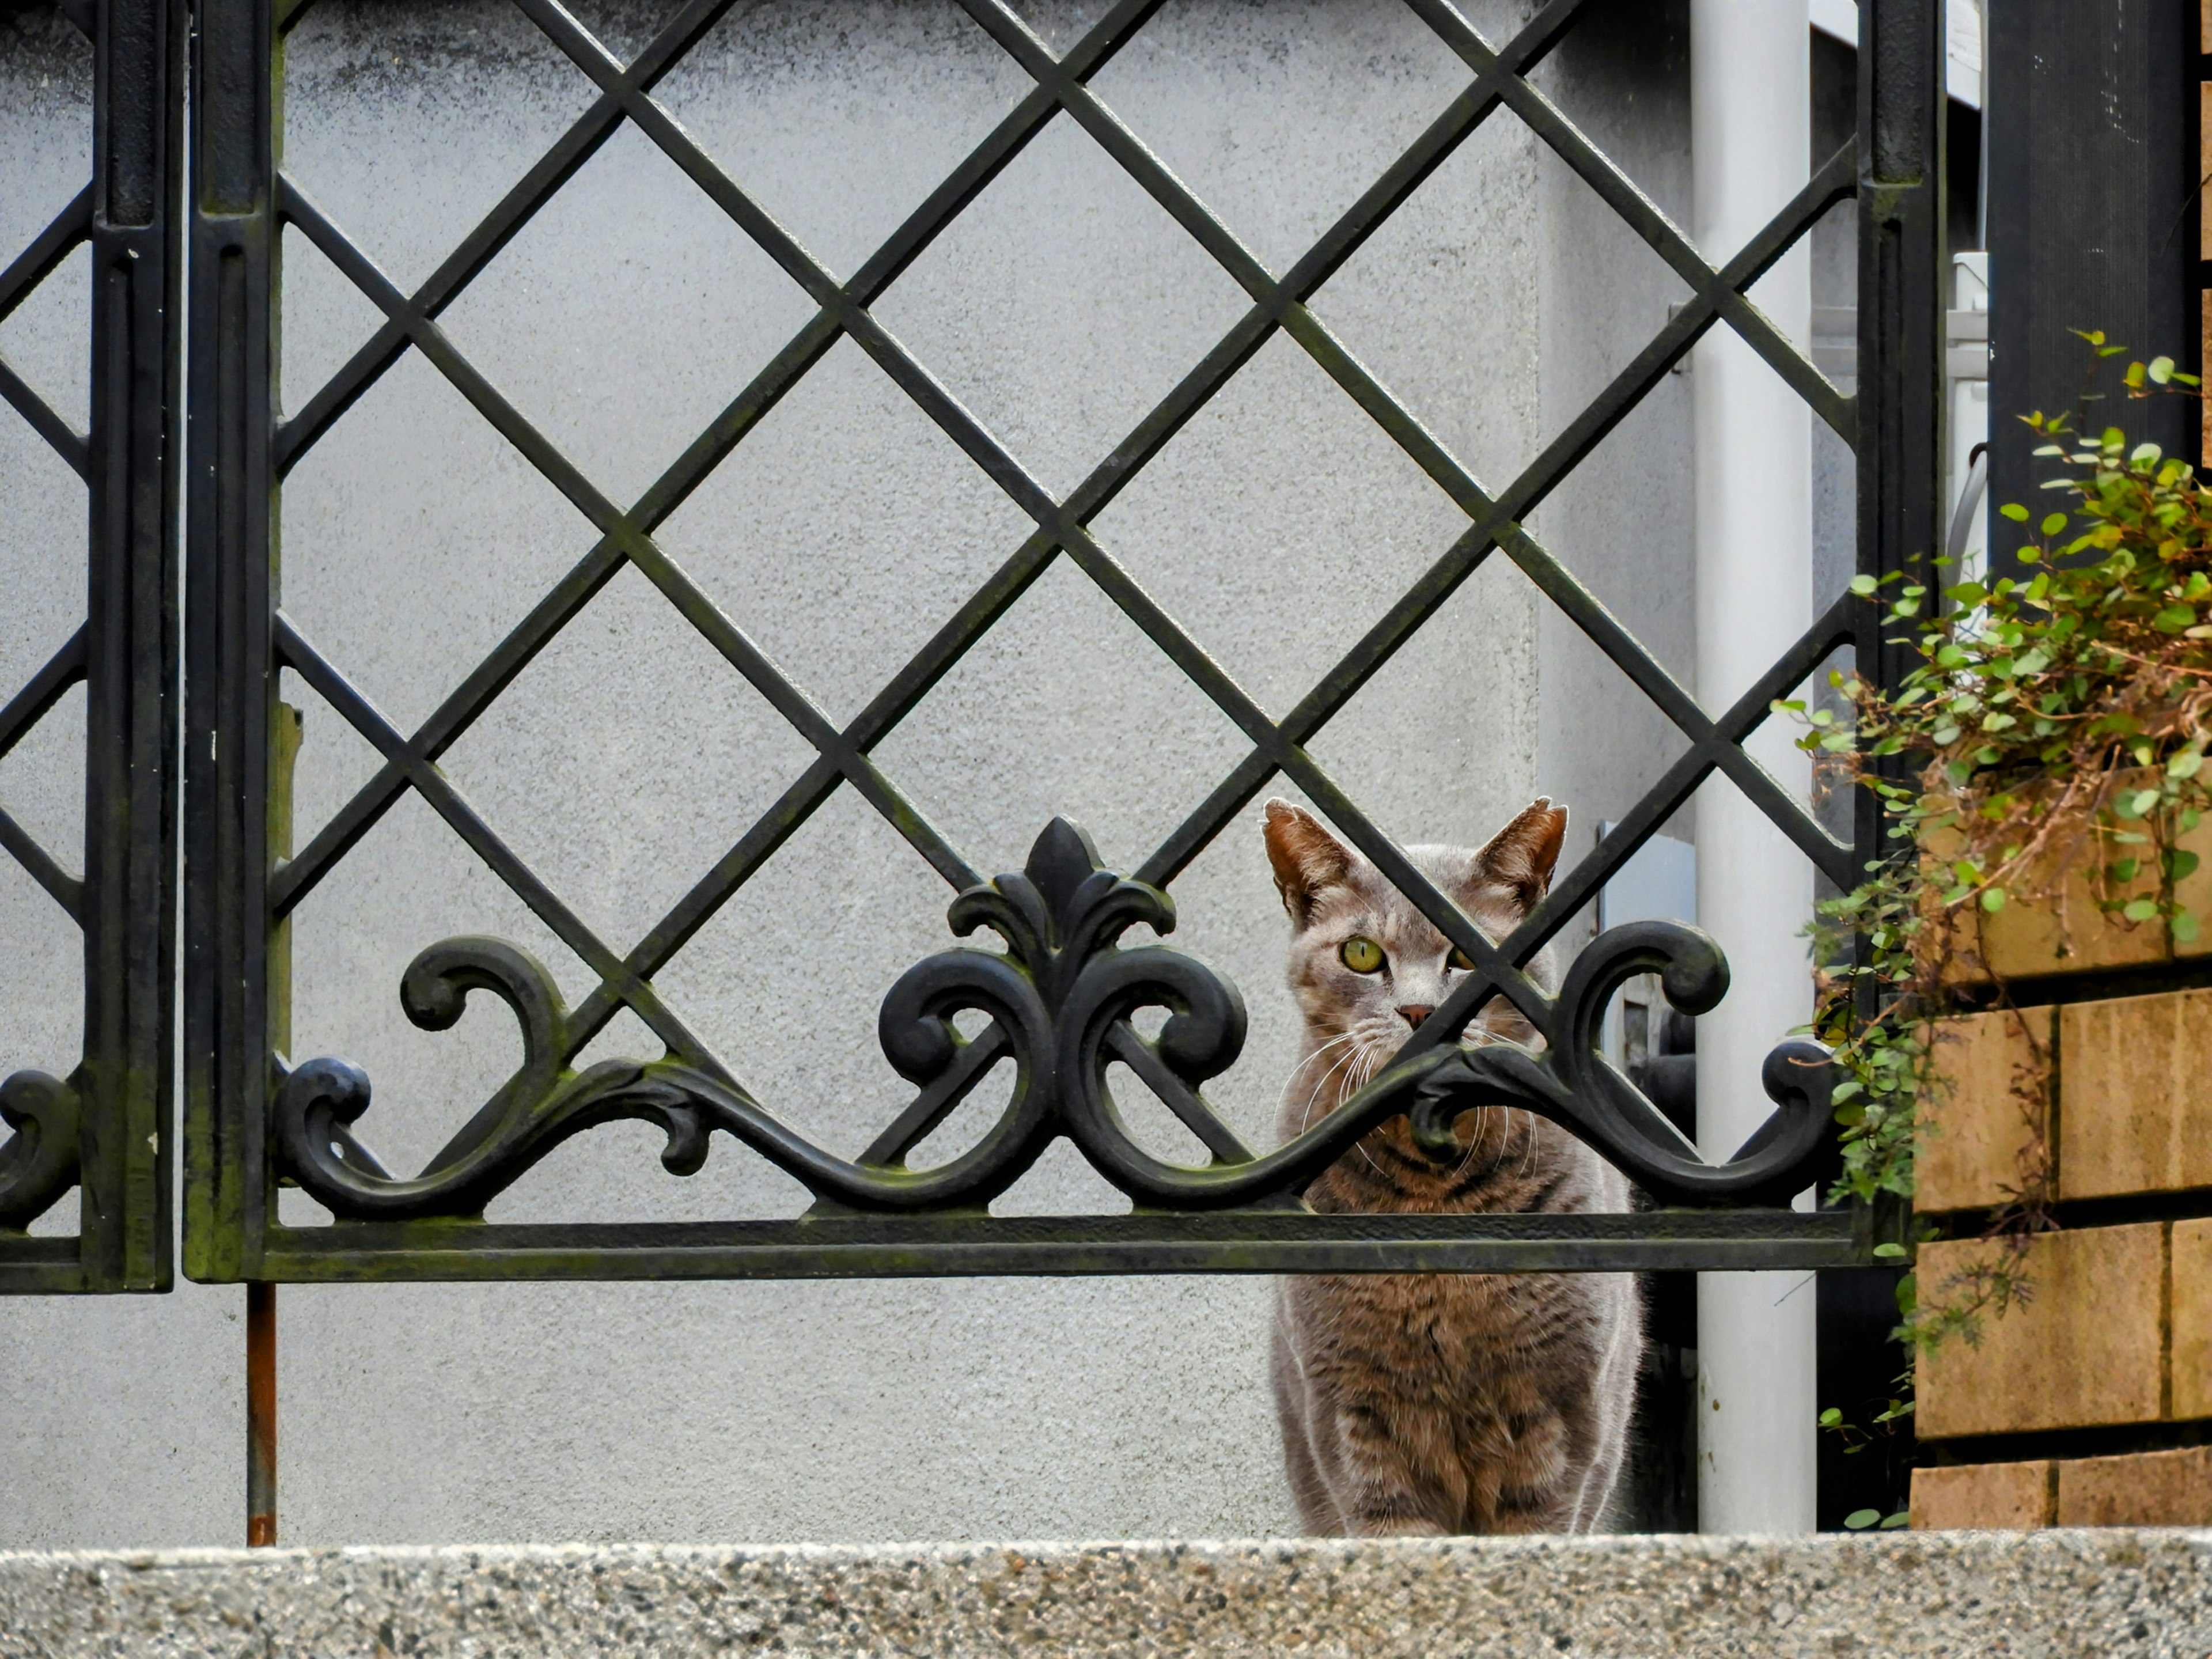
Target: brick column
[[2092, 1404]]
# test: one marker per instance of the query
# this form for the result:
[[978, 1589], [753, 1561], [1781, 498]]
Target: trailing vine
[[2047, 749]]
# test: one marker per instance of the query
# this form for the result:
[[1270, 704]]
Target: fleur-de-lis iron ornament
[[39, 1161], [1058, 1000]]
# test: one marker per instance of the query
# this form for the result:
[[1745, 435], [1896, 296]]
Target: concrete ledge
[[1977, 1596]]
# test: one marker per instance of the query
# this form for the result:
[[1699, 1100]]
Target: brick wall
[[2114, 1341]]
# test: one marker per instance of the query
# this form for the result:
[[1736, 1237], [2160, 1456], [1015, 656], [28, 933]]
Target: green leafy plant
[[2055, 722], [1863, 1520]]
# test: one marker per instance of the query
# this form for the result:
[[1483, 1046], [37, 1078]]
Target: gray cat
[[1421, 1405]]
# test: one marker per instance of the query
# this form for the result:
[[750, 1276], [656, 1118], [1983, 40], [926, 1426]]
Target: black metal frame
[[1060, 997], [105, 1129], [2094, 214]]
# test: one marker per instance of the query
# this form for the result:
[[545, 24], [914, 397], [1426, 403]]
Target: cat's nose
[[1414, 1012]]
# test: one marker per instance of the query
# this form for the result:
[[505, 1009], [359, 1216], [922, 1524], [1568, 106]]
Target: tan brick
[[2135, 1095], [2191, 1358], [2022, 940], [2143, 1489], [1974, 1133], [2086, 1348], [2204, 151], [1981, 1496]]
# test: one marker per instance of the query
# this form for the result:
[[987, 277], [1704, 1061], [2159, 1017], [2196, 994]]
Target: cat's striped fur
[[1436, 1404]]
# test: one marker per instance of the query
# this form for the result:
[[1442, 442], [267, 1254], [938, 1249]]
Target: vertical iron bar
[[2092, 114], [1900, 353], [260, 1414], [260, 1295], [1900, 346], [230, 678], [129, 887], [287, 729]]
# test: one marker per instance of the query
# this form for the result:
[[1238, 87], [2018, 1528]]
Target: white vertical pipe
[[1751, 138]]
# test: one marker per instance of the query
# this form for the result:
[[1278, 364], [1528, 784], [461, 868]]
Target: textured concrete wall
[[1972, 1595], [628, 757]]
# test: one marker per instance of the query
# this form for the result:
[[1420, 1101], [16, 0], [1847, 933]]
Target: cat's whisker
[[1358, 1066], [1370, 1059], [1341, 1036], [1349, 1057], [1474, 1141], [1331, 1082], [1305, 1117], [1346, 1036], [1341, 1071], [1475, 1037]]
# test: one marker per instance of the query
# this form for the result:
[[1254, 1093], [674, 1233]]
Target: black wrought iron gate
[[1061, 999]]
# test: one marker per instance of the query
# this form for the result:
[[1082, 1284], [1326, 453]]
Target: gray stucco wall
[[1276, 526]]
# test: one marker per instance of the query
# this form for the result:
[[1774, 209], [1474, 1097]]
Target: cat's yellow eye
[[1360, 954], [1461, 960]]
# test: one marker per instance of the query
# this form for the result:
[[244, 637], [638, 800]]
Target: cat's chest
[[1503, 1169]]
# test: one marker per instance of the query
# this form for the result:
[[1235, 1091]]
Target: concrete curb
[[2145, 1595]]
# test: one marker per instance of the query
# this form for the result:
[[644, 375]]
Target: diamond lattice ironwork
[[245, 894]]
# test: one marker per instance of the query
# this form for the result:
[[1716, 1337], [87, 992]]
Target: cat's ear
[[1521, 856], [1308, 859]]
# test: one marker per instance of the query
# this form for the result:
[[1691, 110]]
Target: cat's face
[[1366, 966]]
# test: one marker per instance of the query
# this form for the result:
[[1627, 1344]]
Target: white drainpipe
[[1750, 127]]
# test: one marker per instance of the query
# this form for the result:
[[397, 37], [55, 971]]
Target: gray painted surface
[[1276, 526], [1929, 1595]]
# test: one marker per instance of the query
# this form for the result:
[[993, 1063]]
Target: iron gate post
[[2093, 111], [1900, 340], [131, 654], [230, 672]]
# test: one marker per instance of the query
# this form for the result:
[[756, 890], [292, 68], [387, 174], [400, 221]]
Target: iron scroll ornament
[[38, 1162], [1059, 1001]]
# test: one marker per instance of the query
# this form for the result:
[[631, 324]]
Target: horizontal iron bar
[[972, 1246], [40, 1267]]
